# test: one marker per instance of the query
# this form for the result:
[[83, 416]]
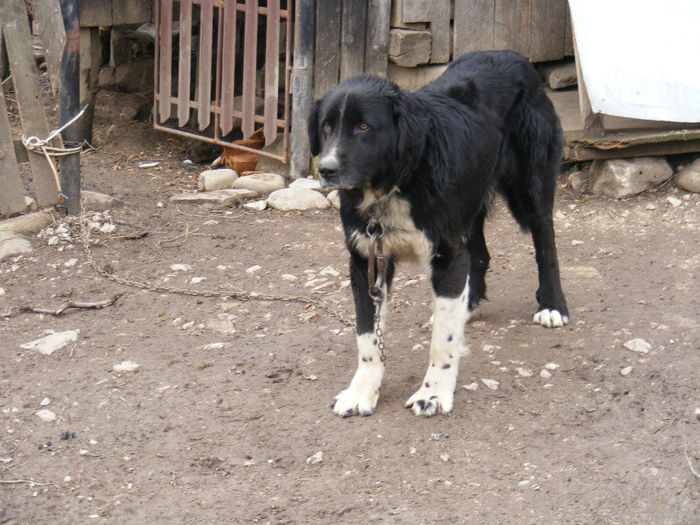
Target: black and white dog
[[432, 159]]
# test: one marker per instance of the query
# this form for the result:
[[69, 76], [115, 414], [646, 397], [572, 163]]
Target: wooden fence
[[27, 92]]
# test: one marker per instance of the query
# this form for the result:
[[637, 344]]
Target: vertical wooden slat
[[184, 63], [11, 196], [25, 78], [53, 36], [473, 26], [228, 66], [327, 52], [548, 30], [249, 64], [352, 38], [568, 34], [165, 58], [512, 25], [272, 60], [206, 32], [377, 45]]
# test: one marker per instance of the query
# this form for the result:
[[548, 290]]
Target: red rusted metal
[[217, 83]]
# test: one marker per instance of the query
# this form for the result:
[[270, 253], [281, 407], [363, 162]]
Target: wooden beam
[[377, 45], [327, 53], [25, 78], [12, 195], [352, 38]]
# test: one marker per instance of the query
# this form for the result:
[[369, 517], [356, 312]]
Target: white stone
[[259, 205], [315, 458], [491, 384], [13, 244], [638, 345], [252, 269], [688, 178], [305, 184], [620, 178], [2, 291], [288, 200], [45, 402], [673, 201], [288, 277], [70, 263], [46, 415], [524, 372], [551, 366], [334, 198], [197, 280], [48, 344], [126, 366], [107, 227], [329, 270], [262, 183], [471, 386], [229, 197], [626, 371], [180, 267], [219, 179], [545, 374]]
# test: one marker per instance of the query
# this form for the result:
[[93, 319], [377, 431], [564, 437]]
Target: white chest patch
[[401, 240]]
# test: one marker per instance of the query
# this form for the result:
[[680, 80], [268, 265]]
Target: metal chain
[[378, 332], [238, 295]]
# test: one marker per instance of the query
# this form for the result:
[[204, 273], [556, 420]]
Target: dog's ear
[[411, 129], [312, 128], [464, 92]]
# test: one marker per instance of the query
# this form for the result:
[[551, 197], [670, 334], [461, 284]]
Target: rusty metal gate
[[207, 54]]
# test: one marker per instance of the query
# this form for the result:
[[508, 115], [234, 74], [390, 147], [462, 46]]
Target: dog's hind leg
[[360, 398], [479, 259], [451, 311]]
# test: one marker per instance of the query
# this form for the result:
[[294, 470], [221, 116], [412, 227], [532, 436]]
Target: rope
[[42, 147]]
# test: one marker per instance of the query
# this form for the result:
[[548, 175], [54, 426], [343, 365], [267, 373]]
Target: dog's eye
[[362, 126], [326, 127]]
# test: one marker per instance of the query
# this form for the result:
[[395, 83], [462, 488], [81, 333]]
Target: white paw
[[353, 402], [550, 318], [431, 400]]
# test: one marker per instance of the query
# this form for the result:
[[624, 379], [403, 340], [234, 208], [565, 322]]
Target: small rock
[[70, 263], [491, 384], [251, 270], [580, 181], [545, 374], [638, 345], [688, 178], [305, 184], [29, 223], [315, 458], [2, 291], [334, 198], [576, 242], [220, 197], [219, 179], [46, 415], [288, 200], [98, 201], [288, 277], [626, 371], [262, 183], [126, 366], [551, 366], [620, 178], [524, 372], [13, 244], [445, 457], [673, 201], [197, 280], [471, 386], [107, 227], [48, 344], [329, 270], [45, 402], [180, 267], [259, 205]]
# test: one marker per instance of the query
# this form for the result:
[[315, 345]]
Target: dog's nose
[[328, 167]]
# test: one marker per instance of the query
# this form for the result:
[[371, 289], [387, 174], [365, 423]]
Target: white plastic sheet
[[640, 58]]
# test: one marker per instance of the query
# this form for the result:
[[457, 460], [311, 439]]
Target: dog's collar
[[375, 211]]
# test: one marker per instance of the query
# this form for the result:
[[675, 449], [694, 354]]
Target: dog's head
[[365, 134]]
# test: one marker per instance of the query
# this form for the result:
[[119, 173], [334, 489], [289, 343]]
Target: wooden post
[[69, 105], [11, 196]]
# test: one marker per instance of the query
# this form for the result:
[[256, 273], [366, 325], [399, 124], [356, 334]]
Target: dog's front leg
[[362, 394], [450, 313]]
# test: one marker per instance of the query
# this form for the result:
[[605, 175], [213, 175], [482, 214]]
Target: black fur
[[484, 126]]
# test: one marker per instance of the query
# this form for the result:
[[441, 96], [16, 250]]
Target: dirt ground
[[227, 418]]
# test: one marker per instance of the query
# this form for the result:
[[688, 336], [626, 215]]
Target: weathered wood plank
[[437, 13], [512, 25], [4, 66], [352, 38], [25, 78], [184, 64], [250, 49], [377, 43], [11, 196], [473, 26], [327, 53], [272, 61], [165, 59], [48, 16], [228, 66], [204, 63], [93, 13], [548, 30], [131, 12]]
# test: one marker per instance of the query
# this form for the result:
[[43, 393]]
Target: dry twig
[[94, 305]]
